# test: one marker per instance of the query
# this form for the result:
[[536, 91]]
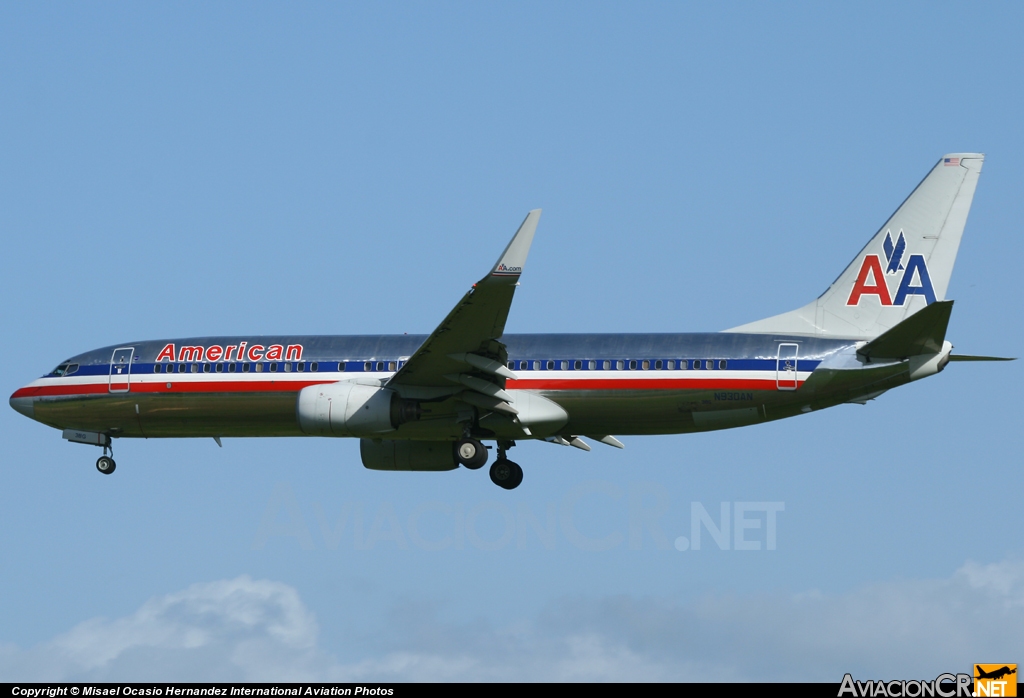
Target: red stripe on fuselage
[[544, 384], [183, 387], [641, 384]]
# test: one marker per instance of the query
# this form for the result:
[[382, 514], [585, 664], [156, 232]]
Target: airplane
[[429, 403], [995, 674]]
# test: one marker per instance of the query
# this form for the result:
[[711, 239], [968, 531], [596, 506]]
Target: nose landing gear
[[105, 464]]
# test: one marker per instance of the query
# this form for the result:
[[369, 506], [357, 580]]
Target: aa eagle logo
[[911, 280]]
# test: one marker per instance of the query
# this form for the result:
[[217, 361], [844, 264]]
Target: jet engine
[[349, 408]]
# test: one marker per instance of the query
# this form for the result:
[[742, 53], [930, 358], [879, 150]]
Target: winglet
[[513, 259]]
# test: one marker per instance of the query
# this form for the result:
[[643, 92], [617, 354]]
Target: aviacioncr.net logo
[[943, 686], [872, 280], [995, 680]]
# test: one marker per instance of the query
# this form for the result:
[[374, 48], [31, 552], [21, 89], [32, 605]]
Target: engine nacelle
[[387, 454], [348, 408]]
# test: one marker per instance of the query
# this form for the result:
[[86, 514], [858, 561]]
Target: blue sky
[[183, 170]]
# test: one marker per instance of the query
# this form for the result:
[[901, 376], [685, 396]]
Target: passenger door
[[785, 367], [121, 370]]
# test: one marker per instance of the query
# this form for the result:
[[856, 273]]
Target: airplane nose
[[23, 405]]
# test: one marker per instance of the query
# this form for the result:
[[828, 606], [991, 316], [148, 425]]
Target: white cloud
[[232, 629], [256, 630]]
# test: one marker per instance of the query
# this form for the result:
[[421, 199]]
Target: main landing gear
[[473, 454], [470, 453], [505, 473]]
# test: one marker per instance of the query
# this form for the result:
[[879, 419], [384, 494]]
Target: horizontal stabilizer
[[921, 333], [966, 357]]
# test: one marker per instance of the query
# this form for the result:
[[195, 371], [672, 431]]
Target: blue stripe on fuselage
[[743, 352]]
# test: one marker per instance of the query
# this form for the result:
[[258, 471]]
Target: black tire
[[470, 453], [517, 476], [506, 474], [106, 465]]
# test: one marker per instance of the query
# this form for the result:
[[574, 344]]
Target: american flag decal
[[951, 162]]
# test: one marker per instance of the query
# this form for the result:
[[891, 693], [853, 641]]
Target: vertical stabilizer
[[905, 267]]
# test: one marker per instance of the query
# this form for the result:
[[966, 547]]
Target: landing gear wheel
[[505, 473], [106, 465], [517, 476], [470, 453]]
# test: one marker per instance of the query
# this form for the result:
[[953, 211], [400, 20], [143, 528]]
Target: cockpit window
[[72, 368], [60, 370]]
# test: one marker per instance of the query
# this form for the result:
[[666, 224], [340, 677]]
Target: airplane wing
[[465, 348]]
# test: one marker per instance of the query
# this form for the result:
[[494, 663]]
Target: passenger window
[[658, 364], [632, 364], [606, 365], [314, 367], [565, 365], [721, 365], [577, 365], [195, 368], [392, 366], [220, 368], [684, 364], [287, 367], [156, 368], [273, 368], [232, 368], [206, 368], [696, 365], [512, 365], [536, 365], [380, 365], [301, 366], [245, 367], [551, 365], [259, 367], [620, 364], [709, 364], [368, 366], [592, 365], [645, 364]]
